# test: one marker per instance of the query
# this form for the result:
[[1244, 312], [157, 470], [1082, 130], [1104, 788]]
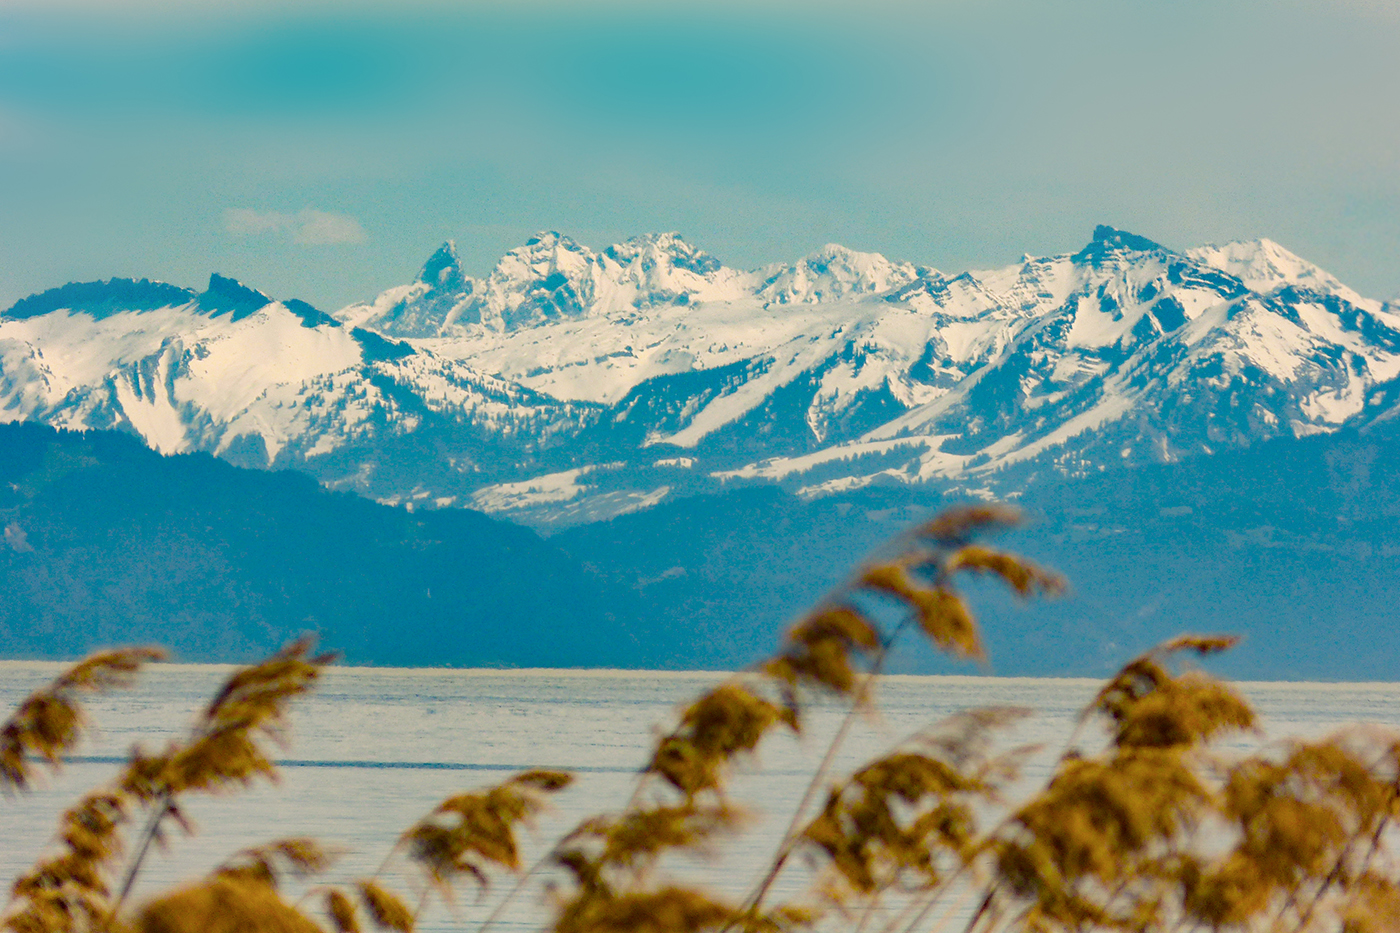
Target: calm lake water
[[373, 750]]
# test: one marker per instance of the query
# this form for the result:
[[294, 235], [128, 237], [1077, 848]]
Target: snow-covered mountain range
[[572, 384]]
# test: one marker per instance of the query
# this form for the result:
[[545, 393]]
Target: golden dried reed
[[50, 721], [80, 886], [1159, 827]]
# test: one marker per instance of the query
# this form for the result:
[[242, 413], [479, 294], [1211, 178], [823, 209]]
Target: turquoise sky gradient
[[323, 151]]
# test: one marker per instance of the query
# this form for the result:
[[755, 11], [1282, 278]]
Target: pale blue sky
[[323, 151]]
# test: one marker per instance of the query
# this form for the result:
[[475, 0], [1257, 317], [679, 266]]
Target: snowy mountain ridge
[[569, 383]]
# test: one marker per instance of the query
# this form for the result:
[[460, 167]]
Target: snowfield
[[571, 384]]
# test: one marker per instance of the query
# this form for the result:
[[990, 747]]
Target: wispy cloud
[[319, 228], [306, 227]]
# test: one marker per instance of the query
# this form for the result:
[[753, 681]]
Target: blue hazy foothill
[[1290, 543], [107, 542]]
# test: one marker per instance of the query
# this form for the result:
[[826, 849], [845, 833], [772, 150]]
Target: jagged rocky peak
[[1110, 241], [230, 296], [663, 269], [833, 272], [101, 299], [550, 277], [665, 251], [439, 297], [443, 270], [551, 243], [543, 255]]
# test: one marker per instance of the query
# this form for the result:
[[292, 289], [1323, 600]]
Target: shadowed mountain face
[[1291, 543], [106, 542], [571, 385]]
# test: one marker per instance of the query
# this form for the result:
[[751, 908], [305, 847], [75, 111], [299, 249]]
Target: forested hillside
[[1291, 543], [107, 542]]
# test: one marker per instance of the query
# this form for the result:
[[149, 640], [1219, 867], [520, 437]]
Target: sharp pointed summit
[[443, 270]]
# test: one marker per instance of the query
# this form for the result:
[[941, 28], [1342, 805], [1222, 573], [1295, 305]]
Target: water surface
[[372, 750]]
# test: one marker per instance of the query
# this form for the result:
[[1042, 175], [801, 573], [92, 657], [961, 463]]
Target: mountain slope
[[571, 384], [106, 543], [1291, 543]]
